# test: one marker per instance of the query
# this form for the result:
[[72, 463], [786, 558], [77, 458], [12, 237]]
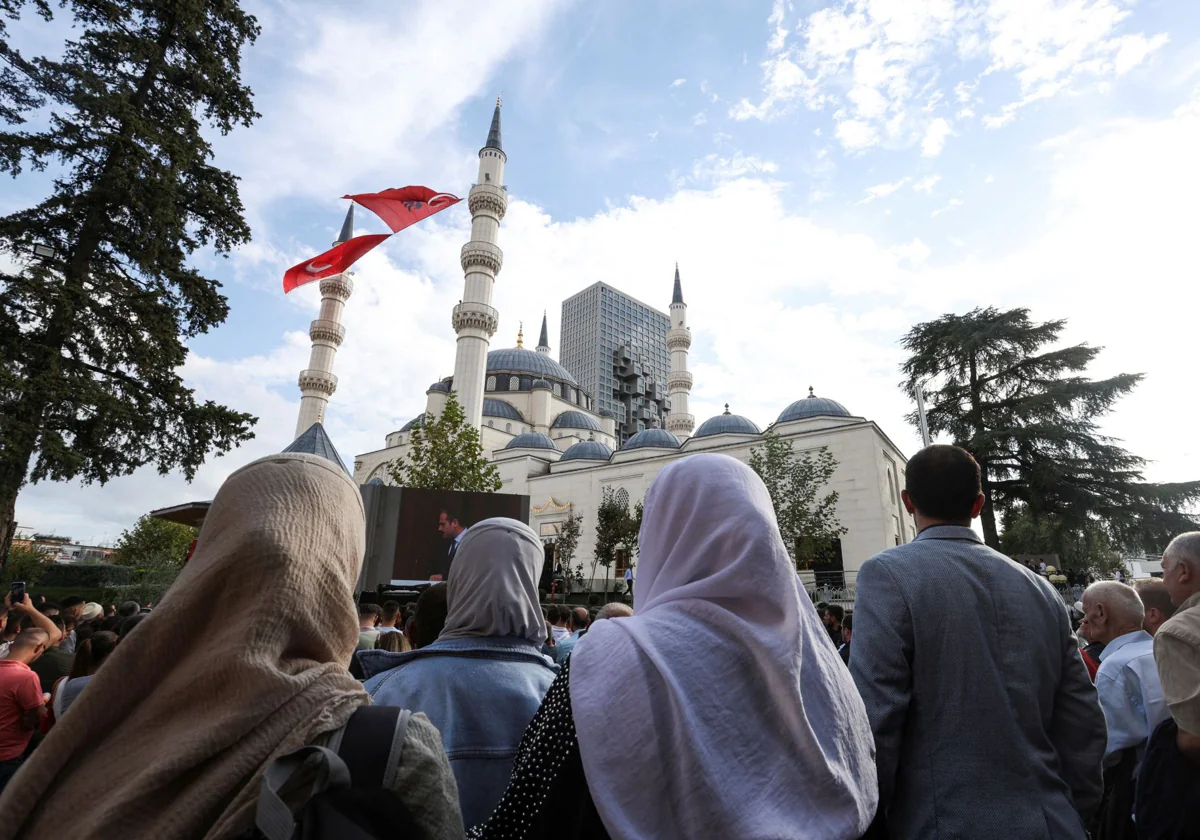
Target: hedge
[[65, 575]]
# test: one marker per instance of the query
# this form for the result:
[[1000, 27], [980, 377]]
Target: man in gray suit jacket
[[986, 723]]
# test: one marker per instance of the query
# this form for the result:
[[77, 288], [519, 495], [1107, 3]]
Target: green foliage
[[806, 514], [568, 540], [1029, 416], [153, 539], [446, 454], [616, 528], [152, 578], [1085, 546], [93, 335], [27, 564], [66, 575]]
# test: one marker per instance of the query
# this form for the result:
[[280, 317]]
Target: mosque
[[562, 444]]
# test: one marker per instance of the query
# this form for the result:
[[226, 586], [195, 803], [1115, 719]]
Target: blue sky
[[826, 174]]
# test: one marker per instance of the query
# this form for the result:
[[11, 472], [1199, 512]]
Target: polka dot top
[[547, 795]]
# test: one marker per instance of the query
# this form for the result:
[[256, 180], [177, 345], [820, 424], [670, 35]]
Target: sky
[[826, 175]]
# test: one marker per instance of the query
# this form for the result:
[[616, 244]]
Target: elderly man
[[1156, 599]]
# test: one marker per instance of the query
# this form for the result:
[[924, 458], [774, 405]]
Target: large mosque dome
[[587, 450], [531, 440], [518, 360], [813, 406], [728, 424]]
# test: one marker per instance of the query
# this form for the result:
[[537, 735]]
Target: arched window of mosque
[[486, 176], [491, 383], [573, 397], [622, 497], [514, 383], [558, 389], [508, 427]]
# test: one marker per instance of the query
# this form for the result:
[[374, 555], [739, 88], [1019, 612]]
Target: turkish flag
[[334, 261], [404, 206]]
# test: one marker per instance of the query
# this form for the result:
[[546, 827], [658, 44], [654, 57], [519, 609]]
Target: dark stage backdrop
[[403, 542]]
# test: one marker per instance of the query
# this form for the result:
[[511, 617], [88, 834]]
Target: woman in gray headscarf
[[483, 679]]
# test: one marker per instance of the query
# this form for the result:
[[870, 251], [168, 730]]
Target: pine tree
[[93, 322], [1029, 416], [446, 454], [807, 519]]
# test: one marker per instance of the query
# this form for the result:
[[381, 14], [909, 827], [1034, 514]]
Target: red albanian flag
[[337, 259], [404, 206]]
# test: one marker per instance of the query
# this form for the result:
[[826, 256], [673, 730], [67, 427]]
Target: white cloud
[[699, 119], [935, 137], [678, 82], [915, 252], [716, 169], [856, 134], [926, 185], [950, 205], [881, 62], [882, 190]]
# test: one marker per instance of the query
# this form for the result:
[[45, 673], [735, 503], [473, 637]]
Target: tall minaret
[[679, 382], [544, 339], [317, 382], [474, 318]]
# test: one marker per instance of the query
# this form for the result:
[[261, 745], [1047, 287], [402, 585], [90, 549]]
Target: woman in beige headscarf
[[243, 661]]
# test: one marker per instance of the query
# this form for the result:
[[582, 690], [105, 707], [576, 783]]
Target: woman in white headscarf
[[483, 679], [719, 709], [243, 661]]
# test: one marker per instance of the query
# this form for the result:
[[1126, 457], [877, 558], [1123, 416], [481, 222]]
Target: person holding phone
[[22, 705]]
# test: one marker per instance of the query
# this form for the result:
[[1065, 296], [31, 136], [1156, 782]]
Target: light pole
[[925, 441]]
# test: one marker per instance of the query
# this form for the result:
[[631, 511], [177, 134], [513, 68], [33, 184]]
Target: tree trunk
[[987, 516]]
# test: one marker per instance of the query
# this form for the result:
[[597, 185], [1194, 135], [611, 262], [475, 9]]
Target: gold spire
[[521, 335]]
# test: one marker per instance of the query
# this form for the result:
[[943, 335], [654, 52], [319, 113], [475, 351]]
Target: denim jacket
[[481, 693]]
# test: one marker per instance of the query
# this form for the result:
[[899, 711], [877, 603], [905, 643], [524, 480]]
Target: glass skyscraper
[[616, 347]]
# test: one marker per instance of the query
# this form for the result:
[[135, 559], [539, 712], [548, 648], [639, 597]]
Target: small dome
[[531, 440], [652, 439], [499, 408], [443, 385], [520, 360], [727, 424], [542, 383], [813, 406], [575, 420], [607, 415], [415, 423], [587, 450]]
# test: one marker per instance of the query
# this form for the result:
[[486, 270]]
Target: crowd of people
[[954, 700]]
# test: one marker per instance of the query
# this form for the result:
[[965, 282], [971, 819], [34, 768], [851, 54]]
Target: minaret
[[679, 382], [544, 339], [474, 318], [317, 382]]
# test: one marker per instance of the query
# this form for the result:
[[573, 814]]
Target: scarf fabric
[[493, 591], [244, 660], [734, 715]]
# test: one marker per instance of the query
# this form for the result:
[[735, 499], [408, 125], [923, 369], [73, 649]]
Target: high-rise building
[[616, 348]]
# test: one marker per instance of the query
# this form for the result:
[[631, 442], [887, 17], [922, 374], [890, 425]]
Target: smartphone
[[17, 595]]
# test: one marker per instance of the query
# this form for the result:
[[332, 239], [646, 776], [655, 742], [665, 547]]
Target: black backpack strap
[[372, 744]]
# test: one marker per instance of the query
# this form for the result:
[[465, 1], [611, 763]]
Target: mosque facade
[[550, 439]]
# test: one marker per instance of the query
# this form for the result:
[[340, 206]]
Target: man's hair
[[92, 652], [128, 624], [580, 618], [1185, 548], [943, 482], [848, 622], [72, 601], [821, 605], [836, 611], [128, 608], [49, 605], [614, 609], [31, 637], [57, 621], [365, 610], [1121, 599], [430, 616], [1155, 596], [391, 610], [552, 613], [450, 517]]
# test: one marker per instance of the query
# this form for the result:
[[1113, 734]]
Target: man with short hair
[[128, 608], [72, 606], [22, 706], [1177, 643], [579, 621], [614, 609], [834, 614], [997, 717], [559, 615], [452, 530], [1127, 680], [1157, 602], [847, 634], [368, 616], [54, 663], [391, 615]]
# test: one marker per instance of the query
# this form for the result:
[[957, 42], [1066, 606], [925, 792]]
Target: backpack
[[348, 795]]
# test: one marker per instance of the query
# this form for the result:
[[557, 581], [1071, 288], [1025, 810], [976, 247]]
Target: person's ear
[[908, 502], [978, 504]]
